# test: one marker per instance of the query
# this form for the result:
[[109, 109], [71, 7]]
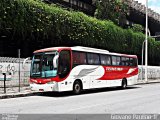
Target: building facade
[[136, 16]]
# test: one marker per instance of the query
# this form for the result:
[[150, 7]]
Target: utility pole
[[146, 44]]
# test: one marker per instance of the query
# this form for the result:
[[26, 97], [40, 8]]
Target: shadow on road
[[91, 91]]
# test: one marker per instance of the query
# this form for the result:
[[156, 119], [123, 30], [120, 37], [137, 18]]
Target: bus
[[79, 68]]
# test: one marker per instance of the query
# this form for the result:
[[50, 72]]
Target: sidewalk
[[150, 81], [26, 91], [14, 92]]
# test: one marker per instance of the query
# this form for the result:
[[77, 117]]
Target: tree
[[137, 28], [114, 10]]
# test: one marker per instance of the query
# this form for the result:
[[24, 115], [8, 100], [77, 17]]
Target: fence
[[10, 66]]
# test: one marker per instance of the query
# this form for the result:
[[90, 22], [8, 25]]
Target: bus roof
[[51, 49], [88, 49], [84, 49], [101, 51]]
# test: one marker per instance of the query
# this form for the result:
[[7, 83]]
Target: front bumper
[[44, 87]]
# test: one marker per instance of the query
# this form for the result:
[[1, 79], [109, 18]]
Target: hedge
[[34, 22]]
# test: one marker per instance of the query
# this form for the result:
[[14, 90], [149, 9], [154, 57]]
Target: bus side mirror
[[24, 62], [55, 64]]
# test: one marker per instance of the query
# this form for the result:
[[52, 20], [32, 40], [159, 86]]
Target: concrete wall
[[153, 72], [13, 68]]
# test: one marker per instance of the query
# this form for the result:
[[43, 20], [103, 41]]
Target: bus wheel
[[124, 84], [77, 87]]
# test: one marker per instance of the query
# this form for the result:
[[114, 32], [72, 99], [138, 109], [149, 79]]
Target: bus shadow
[[91, 91]]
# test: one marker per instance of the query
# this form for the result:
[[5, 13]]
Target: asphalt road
[[136, 99]]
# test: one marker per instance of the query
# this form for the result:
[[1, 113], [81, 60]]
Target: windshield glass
[[42, 65]]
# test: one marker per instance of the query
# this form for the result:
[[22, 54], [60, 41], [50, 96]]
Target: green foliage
[[137, 28], [114, 10], [33, 22]]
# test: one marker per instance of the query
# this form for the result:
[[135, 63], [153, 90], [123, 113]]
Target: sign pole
[[19, 53], [4, 82]]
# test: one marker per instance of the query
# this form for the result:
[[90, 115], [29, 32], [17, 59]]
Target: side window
[[78, 58], [93, 59], [64, 63], [116, 60], [125, 61], [105, 59], [133, 62]]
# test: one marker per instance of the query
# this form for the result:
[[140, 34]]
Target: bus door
[[64, 66]]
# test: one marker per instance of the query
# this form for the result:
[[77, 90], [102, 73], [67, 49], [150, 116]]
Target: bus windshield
[[42, 65]]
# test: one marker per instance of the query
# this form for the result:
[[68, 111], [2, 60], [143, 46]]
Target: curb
[[149, 82], [5, 96]]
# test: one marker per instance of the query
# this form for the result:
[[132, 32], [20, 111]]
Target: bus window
[[47, 65], [79, 58], [64, 63], [105, 59], [116, 60], [36, 65], [125, 61], [42, 65], [48, 62], [133, 62], [93, 59]]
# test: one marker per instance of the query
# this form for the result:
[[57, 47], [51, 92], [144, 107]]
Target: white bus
[[79, 68]]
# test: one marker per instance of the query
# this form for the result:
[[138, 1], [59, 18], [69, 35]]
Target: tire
[[77, 87], [124, 84]]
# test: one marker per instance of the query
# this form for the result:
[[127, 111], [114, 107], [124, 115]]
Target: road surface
[[136, 99]]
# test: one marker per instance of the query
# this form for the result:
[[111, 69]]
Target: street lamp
[[146, 43]]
